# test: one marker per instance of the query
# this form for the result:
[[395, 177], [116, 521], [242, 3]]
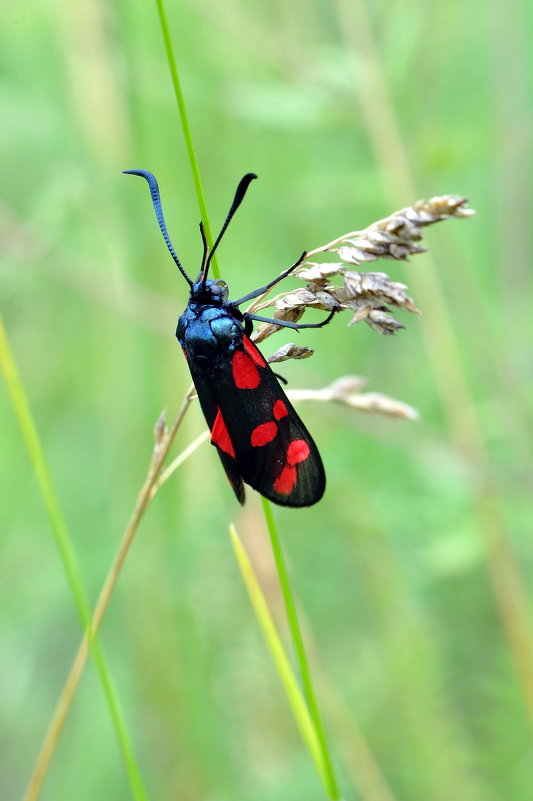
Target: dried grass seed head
[[371, 296]]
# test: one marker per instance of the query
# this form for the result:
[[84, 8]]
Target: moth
[[259, 437]]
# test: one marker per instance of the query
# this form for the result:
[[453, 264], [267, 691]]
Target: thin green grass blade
[[299, 648], [186, 128], [64, 545], [288, 679]]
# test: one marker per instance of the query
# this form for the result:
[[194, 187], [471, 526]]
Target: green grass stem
[[299, 648], [186, 128], [64, 545], [153, 481], [295, 696]]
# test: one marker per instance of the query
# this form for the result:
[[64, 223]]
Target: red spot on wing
[[245, 373], [279, 410], [298, 451], [220, 436], [263, 433], [285, 482], [252, 351]]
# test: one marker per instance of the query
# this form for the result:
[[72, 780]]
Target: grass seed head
[[372, 297]]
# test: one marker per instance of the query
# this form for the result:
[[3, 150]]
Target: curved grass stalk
[[66, 697]]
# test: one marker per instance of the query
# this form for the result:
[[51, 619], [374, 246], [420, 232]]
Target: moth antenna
[[244, 183], [156, 200], [206, 247]]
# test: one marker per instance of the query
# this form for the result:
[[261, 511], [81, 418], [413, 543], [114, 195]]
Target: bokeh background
[[412, 574]]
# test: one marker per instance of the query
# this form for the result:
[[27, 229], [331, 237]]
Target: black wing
[[258, 433], [204, 388]]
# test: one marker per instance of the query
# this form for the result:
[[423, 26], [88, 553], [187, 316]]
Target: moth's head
[[212, 291]]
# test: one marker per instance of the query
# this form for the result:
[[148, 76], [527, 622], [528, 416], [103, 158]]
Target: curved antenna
[[206, 247], [156, 200], [244, 183]]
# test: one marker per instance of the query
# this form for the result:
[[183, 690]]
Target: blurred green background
[[412, 572]]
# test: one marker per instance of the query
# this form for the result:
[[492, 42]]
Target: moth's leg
[[287, 323], [257, 292]]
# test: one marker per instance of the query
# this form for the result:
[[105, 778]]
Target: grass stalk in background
[[68, 558], [443, 352], [147, 492]]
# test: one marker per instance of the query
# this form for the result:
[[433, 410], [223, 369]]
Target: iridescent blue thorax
[[209, 325]]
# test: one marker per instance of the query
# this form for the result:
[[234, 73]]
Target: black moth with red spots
[[258, 435]]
